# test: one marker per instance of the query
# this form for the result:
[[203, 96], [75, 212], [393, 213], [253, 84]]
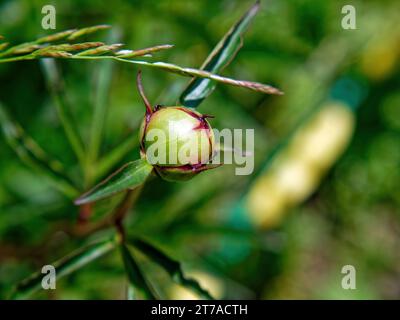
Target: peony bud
[[177, 141]]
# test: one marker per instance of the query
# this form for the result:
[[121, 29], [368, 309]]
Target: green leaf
[[129, 176], [65, 266], [172, 267], [34, 156], [223, 53], [138, 282], [56, 87]]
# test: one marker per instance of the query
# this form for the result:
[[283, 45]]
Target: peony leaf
[[129, 176]]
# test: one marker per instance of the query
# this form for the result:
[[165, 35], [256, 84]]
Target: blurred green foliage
[[352, 218]]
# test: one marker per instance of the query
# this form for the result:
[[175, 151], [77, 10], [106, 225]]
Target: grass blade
[[129, 176], [223, 53], [31, 154], [169, 67], [55, 36], [172, 267], [69, 47], [219, 58], [143, 52], [87, 30], [107, 48], [191, 72], [135, 276], [65, 266], [55, 86]]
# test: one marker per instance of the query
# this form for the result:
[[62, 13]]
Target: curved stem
[[149, 109]]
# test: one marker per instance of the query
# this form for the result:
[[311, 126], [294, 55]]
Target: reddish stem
[[149, 109], [85, 213]]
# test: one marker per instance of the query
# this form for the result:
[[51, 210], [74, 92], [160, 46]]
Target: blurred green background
[[284, 232]]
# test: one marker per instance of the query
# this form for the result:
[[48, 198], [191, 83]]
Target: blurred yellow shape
[[295, 179], [324, 138], [380, 57], [266, 202], [297, 171]]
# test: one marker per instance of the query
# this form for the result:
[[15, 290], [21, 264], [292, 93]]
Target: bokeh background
[[326, 188]]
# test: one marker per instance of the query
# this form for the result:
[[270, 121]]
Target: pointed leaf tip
[[129, 176], [222, 55], [135, 275]]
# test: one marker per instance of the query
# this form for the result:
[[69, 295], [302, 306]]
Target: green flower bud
[[177, 141]]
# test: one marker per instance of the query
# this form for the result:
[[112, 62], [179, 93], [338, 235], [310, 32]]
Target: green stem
[[18, 58]]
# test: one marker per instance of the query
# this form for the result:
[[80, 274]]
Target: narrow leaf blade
[[55, 36], [56, 87], [65, 266], [88, 30], [129, 176], [172, 267], [135, 276], [223, 53], [34, 156], [142, 52], [190, 72]]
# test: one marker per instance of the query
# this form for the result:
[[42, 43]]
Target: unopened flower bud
[[177, 141]]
